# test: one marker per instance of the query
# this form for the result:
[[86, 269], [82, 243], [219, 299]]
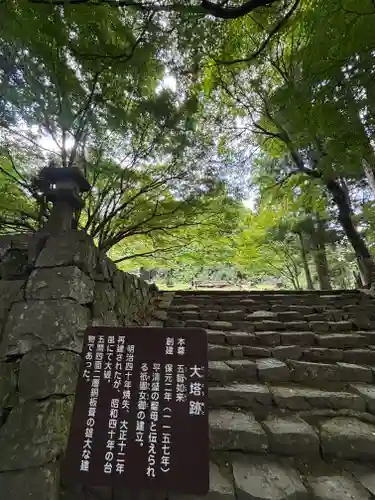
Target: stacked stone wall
[[51, 290]]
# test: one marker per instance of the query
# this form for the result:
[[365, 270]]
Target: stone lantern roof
[[63, 184]]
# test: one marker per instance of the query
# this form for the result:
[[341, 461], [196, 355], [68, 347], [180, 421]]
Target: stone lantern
[[62, 186]]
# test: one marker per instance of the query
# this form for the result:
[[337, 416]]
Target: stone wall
[[51, 290]]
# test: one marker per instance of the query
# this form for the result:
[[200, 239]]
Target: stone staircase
[[291, 391]]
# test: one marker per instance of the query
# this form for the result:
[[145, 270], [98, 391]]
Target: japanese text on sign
[[140, 389]]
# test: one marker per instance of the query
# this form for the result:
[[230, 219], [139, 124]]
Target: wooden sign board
[[140, 417]]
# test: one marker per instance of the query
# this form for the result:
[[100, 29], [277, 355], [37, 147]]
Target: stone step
[[322, 327], [347, 438], [272, 294], [347, 340], [325, 374], [258, 477], [318, 311], [248, 301], [249, 362], [293, 352], [262, 399]]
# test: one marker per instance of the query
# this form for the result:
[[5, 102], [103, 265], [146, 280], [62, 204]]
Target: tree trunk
[[370, 175], [360, 248], [309, 282], [320, 256], [360, 125], [358, 280]]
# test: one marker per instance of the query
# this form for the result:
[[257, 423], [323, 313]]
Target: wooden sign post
[[140, 418]]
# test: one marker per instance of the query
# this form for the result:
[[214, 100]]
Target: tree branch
[[222, 12], [206, 7], [265, 42], [143, 254]]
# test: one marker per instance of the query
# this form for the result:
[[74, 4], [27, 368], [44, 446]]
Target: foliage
[[257, 95]]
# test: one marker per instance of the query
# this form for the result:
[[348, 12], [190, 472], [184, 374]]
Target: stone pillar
[[48, 297], [45, 314]]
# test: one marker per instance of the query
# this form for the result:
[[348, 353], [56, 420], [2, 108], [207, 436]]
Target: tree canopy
[[178, 111]]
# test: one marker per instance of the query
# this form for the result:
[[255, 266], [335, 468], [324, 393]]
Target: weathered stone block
[[348, 438], [297, 338], [247, 302], [219, 352], [52, 323], [190, 314], [363, 473], [215, 337], [341, 340], [10, 291], [259, 315], [5, 245], [8, 385], [336, 487], [209, 314], [314, 316], [362, 321], [305, 310], [221, 487], [268, 326], [252, 396], [305, 372], [354, 373], [243, 368], [240, 338], [340, 326], [319, 326], [256, 352], [268, 338], [334, 315], [105, 268], [296, 399], [182, 307], [174, 323], [298, 326], [46, 373], [34, 434], [237, 352], [242, 326], [104, 299], [219, 325], [237, 314], [218, 371], [236, 431], [21, 241], [41, 483], [290, 398], [69, 248], [60, 283], [110, 319], [290, 316], [322, 355], [196, 323], [123, 307], [118, 280], [272, 370], [258, 478], [360, 356], [291, 436], [15, 264], [287, 352], [368, 394]]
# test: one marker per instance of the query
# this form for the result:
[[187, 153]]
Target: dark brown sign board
[[140, 417]]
